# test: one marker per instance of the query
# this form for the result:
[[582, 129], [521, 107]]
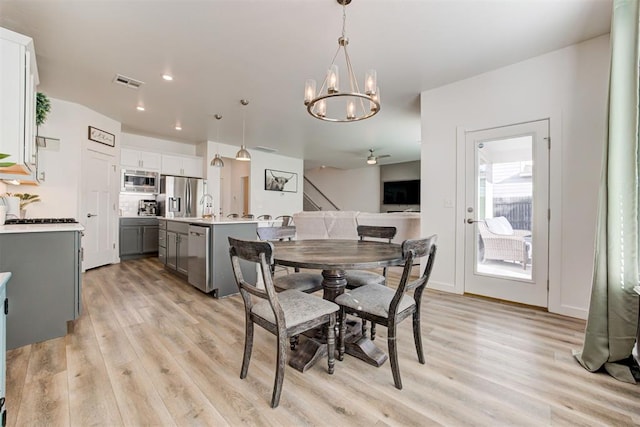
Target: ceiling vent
[[265, 149], [127, 81]]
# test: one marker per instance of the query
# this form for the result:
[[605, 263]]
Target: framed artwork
[[275, 180], [102, 136]]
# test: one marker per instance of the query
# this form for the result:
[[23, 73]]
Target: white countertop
[[39, 228], [203, 221], [207, 221]]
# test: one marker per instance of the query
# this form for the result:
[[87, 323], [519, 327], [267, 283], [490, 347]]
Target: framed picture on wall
[[101, 136], [275, 180]]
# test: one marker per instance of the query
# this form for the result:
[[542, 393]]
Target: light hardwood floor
[[151, 350]]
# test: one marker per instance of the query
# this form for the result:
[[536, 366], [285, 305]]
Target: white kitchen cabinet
[[18, 80], [143, 160], [190, 166]]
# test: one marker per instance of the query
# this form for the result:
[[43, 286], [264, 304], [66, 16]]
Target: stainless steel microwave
[[135, 181]]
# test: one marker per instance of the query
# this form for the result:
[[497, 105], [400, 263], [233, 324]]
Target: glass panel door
[[506, 242]]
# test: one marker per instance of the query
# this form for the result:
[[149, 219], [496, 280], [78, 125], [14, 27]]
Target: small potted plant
[[43, 106], [25, 200]]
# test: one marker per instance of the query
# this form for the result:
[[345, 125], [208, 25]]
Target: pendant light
[[217, 162], [243, 155]]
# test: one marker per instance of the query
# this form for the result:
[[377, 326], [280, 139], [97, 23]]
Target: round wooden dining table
[[334, 257]]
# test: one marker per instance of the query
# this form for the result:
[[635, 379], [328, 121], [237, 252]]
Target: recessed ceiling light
[[178, 127], [167, 77], [140, 108]]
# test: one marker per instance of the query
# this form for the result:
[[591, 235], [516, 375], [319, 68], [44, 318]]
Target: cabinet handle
[[6, 306], [89, 215]]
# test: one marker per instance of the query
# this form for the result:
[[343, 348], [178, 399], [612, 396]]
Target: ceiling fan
[[372, 160]]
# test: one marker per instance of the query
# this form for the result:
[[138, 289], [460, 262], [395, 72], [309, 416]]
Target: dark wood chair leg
[[331, 343], [364, 328], [373, 331], [393, 356], [280, 365], [343, 332], [417, 336], [248, 347]]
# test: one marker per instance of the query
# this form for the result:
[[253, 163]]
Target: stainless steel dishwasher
[[200, 258]]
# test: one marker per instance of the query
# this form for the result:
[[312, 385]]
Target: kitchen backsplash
[[129, 203]]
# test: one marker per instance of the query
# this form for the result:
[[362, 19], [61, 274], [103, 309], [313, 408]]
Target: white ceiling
[[220, 51]]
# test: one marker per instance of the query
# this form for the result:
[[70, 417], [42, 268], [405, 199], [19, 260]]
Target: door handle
[[89, 215], [471, 221]]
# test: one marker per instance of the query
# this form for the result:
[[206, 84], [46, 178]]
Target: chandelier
[[329, 100]]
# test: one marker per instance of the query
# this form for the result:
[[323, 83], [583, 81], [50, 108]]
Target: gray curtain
[[613, 312]]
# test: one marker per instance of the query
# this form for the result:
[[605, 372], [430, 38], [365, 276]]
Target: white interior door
[[98, 243], [507, 212]]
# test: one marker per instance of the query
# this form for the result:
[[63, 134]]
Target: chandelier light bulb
[[309, 91], [351, 110], [332, 79], [375, 98], [370, 82], [322, 108]]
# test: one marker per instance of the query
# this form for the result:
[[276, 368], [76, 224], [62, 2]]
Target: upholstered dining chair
[[305, 282], [248, 216], [284, 314], [233, 215], [388, 307], [264, 217], [357, 278], [286, 220]]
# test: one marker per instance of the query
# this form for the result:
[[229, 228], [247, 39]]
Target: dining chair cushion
[[374, 299], [297, 306], [357, 278], [304, 282]]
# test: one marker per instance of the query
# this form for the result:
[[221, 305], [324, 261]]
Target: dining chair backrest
[[286, 220], [266, 217], [374, 231], [248, 216], [261, 253], [276, 233], [413, 250], [233, 215]]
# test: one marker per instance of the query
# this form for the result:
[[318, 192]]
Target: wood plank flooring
[[151, 350]]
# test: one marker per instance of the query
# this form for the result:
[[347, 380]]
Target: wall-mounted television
[[401, 192]]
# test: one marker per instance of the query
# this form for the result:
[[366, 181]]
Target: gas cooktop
[[11, 221]]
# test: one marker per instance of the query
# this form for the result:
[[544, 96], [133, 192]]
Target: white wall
[[568, 86], [350, 189], [398, 172], [261, 202]]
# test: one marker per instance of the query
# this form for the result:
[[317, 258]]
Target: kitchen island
[[45, 288], [197, 249]]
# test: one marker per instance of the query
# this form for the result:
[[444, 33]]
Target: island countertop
[[207, 221]]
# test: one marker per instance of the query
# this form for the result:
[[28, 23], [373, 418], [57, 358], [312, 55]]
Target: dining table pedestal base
[[362, 347], [314, 348], [307, 354]]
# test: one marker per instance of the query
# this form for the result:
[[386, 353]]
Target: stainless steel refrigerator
[[180, 196]]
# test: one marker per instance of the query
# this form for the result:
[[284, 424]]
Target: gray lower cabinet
[[45, 288], [4, 278], [138, 237], [162, 241], [177, 247]]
